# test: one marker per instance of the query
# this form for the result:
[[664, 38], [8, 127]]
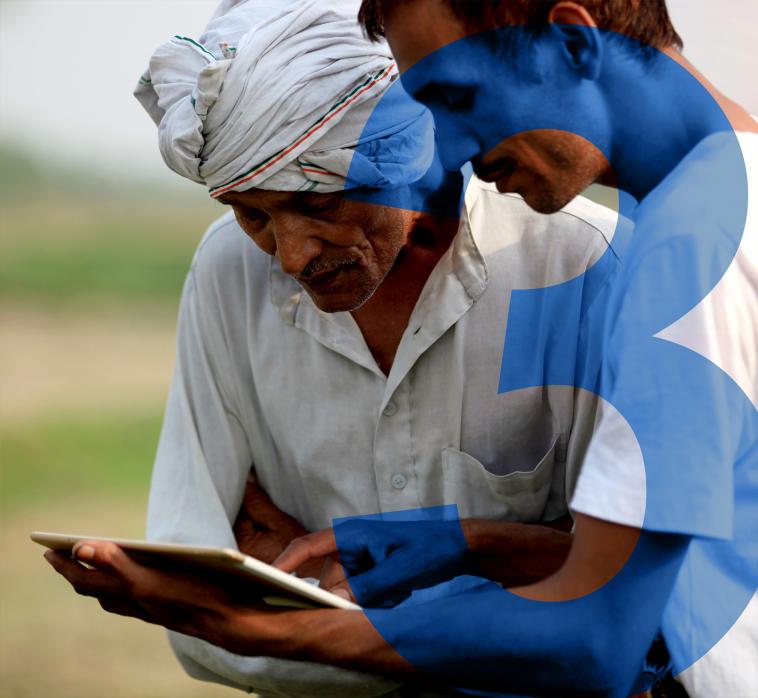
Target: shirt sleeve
[[203, 455], [673, 423], [611, 483]]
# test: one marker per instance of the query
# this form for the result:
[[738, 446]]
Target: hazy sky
[[68, 67]]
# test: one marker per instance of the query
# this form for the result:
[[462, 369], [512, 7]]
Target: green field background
[[90, 277]]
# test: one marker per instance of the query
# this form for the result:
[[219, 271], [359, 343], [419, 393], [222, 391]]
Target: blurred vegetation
[[105, 258], [66, 235], [71, 242], [77, 455]]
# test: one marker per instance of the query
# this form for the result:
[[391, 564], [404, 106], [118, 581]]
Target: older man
[[374, 390], [351, 355]]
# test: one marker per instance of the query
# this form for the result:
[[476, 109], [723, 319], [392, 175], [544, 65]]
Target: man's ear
[[576, 29]]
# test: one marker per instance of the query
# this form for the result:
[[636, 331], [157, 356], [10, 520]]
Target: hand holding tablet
[[285, 589]]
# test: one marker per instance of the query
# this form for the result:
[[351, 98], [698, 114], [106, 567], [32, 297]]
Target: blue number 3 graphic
[[696, 429]]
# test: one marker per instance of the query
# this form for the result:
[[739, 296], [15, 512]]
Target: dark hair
[[647, 21]]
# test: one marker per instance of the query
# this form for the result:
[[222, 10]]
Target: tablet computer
[[287, 589]]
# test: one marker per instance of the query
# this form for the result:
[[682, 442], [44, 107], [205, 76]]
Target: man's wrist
[[272, 632], [256, 631], [483, 535], [514, 553], [327, 636]]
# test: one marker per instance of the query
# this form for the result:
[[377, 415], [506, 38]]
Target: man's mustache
[[321, 266]]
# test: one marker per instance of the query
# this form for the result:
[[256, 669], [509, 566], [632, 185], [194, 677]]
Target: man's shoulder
[[706, 191], [226, 253], [505, 218], [527, 249]]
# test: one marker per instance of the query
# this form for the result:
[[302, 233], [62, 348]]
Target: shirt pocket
[[517, 496]]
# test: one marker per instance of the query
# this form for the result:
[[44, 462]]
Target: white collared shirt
[[264, 379]]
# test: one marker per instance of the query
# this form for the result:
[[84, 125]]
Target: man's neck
[[672, 114], [384, 317]]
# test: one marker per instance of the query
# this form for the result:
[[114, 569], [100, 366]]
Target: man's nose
[[296, 243]]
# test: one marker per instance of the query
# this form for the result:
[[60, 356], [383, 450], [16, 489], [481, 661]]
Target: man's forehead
[[256, 197], [248, 196], [418, 28]]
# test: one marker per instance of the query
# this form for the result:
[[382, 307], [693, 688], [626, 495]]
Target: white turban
[[277, 94]]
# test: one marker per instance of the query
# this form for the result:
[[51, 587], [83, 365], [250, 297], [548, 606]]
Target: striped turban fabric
[[284, 95]]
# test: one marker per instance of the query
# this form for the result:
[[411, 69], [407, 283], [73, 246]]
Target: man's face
[[338, 250], [493, 110]]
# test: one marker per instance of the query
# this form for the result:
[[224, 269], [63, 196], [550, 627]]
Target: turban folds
[[277, 94]]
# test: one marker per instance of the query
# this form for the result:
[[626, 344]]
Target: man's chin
[[538, 199], [337, 302], [547, 205]]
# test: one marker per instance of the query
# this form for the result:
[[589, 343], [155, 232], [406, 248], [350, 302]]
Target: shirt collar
[[457, 281]]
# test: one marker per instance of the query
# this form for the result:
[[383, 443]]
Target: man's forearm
[[345, 638], [510, 553], [477, 641], [326, 636], [515, 554], [493, 639]]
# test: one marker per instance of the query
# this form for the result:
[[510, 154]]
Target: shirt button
[[389, 409], [398, 481]]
